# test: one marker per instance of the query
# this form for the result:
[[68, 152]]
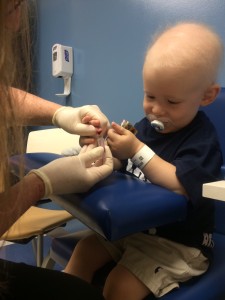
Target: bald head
[[187, 47]]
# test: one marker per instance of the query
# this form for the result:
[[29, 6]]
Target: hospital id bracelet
[[142, 157]]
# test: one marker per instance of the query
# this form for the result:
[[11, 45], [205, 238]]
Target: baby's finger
[[118, 129]]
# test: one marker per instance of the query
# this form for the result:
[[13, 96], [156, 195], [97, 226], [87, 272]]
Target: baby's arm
[[125, 144], [117, 165]]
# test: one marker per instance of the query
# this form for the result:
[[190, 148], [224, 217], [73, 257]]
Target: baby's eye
[[150, 97], [171, 101]]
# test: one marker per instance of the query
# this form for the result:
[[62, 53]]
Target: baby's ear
[[210, 94]]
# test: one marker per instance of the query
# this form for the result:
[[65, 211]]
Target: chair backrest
[[216, 113]]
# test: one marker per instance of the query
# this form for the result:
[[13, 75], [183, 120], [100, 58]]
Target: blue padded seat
[[107, 208], [122, 204]]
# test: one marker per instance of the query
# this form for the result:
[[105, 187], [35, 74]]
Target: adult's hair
[[15, 66]]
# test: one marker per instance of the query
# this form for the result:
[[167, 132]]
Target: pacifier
[[157, 125]]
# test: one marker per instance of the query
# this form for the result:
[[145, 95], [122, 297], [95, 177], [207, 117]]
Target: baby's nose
[[157, 109]]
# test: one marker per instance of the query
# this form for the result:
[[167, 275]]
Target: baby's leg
[[88, 256], [122, 284]]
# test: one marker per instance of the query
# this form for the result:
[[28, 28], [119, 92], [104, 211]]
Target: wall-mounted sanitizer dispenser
[[62, 66]]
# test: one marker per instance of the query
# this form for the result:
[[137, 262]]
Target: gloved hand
[[86, 120], [75, 174]]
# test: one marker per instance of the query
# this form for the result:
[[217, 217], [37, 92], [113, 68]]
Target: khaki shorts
[[157, 262]]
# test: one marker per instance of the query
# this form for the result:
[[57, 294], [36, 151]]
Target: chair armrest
[[118, 205], [31, 161]]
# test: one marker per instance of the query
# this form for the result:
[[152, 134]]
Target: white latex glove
[[75, 174], [70, 119]]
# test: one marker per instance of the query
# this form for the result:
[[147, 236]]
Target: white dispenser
[[62, 66]]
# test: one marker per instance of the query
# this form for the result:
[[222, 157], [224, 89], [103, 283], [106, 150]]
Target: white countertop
[[214, 190]]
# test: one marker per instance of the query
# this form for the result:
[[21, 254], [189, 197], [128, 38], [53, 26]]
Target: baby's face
[[170, 98]]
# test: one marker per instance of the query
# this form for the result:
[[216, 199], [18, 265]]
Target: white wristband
[[142, 157]]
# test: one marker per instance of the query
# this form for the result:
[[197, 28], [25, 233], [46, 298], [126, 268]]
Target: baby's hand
[[122, 142]]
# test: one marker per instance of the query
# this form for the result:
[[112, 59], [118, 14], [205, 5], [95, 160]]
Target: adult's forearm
[[33, 110], [20, 197]]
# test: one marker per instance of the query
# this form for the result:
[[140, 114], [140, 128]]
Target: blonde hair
[[14, 72], [15, 66], [191, 47]]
